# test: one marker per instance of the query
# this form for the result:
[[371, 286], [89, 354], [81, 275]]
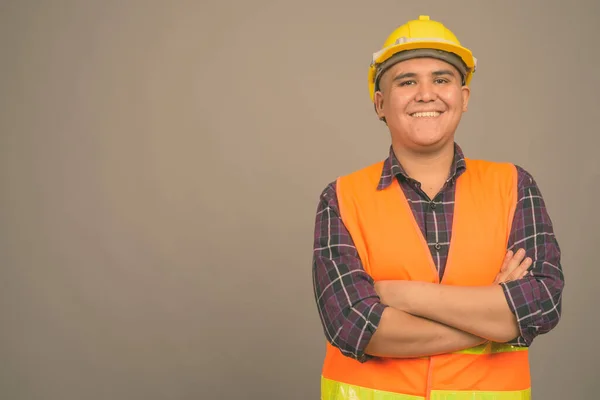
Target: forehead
[[421, 66]]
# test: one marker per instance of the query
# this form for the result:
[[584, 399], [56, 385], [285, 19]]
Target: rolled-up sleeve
[[535, 300], [349, 307]]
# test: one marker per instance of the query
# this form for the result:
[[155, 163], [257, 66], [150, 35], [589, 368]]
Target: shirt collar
[[393, 169]]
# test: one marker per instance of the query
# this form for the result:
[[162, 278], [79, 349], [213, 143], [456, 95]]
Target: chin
[[422, 139], [433, 140], [428, 144]]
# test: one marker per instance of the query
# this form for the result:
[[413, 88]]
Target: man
[[432, 272]]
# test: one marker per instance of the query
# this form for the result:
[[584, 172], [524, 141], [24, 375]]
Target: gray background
[[161, 163]]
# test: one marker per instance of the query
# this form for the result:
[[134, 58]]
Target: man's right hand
[[513, 267]]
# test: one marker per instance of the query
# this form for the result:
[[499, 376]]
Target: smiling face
[[422, 100]]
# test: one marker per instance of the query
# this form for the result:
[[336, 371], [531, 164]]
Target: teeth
[[426, 114]]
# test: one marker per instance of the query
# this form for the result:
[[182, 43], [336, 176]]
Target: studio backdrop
[[161, 163]]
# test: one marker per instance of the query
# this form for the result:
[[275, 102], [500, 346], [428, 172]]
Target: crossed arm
[[412, 319], [445, 318]]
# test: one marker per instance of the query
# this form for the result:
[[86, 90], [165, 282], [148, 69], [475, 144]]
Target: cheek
[[398, 101], [453, 100]]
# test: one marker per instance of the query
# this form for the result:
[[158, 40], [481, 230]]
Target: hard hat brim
[[464, 53]]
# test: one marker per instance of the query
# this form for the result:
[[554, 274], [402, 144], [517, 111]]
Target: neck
[[429, 168]]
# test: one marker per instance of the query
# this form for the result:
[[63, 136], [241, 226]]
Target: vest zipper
[[429, 379]]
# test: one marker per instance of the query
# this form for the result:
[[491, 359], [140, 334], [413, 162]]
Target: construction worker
[[432, 272]]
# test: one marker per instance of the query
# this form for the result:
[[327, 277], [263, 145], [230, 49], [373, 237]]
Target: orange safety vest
[[392, 247]]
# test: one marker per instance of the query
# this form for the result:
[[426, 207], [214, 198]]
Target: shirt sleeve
[[349, 307], [536, 299]]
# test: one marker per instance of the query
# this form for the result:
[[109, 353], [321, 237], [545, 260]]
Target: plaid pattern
[[348, 305]]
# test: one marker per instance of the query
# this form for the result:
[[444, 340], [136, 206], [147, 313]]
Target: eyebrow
[[444, 72], [434, 73]]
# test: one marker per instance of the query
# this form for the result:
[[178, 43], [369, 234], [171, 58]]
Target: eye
[[441, 80], [407, 83]]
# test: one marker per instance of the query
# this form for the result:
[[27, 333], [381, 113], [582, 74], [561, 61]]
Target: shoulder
[[488, 166], [374, 169], [372, 172], [525, 179], [366, 177], [520, 178], [492, 171], [528, 189], [328, 194]]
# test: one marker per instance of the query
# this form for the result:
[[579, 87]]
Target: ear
[[466, 94], [378, 102]]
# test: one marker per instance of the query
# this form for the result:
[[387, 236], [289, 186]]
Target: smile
[[430, 114]]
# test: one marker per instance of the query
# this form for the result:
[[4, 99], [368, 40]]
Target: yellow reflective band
[[491, 348], [333, 390], [477, 395]]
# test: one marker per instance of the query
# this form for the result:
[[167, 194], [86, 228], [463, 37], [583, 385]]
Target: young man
[[432, 272]]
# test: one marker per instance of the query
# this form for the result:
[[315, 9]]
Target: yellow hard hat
[[421, 38]]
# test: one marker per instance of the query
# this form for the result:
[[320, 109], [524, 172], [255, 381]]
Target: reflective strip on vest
[[332, 390], [491, 348], [476, 395]]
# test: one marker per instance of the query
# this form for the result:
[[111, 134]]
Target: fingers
[[507, 258], [511, 261], [515, 266], [521, 270]]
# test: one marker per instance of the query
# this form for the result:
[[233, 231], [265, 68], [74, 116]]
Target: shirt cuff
[[521, 301], [373, 319]]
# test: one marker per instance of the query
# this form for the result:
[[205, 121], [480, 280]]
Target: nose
[[426, 92]]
